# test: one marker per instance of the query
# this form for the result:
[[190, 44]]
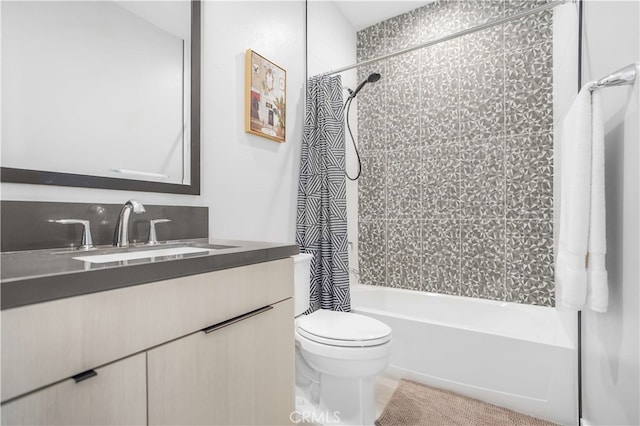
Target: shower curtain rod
[[452, 36], [626, 75]]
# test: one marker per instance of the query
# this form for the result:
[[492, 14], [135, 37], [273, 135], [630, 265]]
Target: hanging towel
[[597, 288], [581, 277]]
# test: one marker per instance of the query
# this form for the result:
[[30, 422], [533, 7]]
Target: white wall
[[611, 383], [331, 40], [249, 183]]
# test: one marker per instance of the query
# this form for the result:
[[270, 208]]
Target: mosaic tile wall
[[456, 141]]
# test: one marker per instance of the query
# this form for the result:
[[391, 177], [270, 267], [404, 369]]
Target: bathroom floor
[[385, 386], [417, 403]]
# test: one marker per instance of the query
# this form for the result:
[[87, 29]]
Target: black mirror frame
[[39, 177]]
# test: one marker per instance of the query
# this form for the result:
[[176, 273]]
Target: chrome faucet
[[153, 236], [87, 241], [121, 235]]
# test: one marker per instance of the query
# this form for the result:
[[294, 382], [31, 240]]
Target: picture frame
[[266, 95]]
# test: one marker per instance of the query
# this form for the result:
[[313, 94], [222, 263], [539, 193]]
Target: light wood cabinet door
[[69, 335], [240, 373], [115, 396]]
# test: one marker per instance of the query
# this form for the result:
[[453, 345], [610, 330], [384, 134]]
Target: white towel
[[597, 288], [582, 211]]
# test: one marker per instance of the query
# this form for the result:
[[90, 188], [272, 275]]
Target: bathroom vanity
[[202, 338]]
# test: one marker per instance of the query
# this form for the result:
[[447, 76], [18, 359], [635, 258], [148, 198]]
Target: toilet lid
[[343, 329]]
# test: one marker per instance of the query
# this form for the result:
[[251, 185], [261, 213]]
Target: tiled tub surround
[[456, 141]]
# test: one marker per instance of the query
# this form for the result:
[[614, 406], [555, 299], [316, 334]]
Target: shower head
[[373, 77]]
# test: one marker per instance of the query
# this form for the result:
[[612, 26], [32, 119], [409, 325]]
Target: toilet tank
[[301, 282]]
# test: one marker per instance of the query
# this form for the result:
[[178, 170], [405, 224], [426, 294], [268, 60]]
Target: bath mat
[[415, 404]]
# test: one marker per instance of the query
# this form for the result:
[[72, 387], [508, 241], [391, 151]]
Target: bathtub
[[522, 357]]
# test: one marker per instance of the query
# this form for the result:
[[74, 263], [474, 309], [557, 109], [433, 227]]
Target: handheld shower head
[[373, 77]]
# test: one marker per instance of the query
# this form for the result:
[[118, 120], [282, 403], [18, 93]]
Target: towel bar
[[623, 76]]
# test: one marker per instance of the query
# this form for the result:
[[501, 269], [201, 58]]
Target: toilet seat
[[343, 329]]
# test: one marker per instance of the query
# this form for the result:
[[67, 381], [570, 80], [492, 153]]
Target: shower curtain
[[321, 223]]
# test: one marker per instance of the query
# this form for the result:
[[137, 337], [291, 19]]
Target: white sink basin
[[145, 254]]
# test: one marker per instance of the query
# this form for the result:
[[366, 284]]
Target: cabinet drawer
[[239, 374], [115, 396], [46, 342]]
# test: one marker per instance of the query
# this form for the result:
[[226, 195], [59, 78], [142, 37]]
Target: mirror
[[102, 94]]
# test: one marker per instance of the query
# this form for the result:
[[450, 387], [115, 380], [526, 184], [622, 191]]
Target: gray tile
[[442, 57], [372, 187], [529, 177], [441, 182], [372, 247], [511, 7], [404, 254], [482, 100], [529, 91], [403, 66], [477, 12], [441, 261], [370, 42], [482, 46], [529, 255], [483, 259], [528, 31], [439, 18], [370, 118], [541, 141], [403, 113], [403, 184], [459, 136], [439, 121], [482, 180], [403, 31], [532, 290], [482, 81], [529, 247], [525, 67]]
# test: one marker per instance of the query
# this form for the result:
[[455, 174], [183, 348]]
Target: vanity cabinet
[[116, 396], [238, 372], [145, 343]]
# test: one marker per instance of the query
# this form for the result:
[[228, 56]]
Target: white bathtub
[[517, 356]]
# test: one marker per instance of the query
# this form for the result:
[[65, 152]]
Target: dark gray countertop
[[35, 276]]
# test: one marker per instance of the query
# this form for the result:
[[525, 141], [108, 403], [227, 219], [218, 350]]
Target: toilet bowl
[[338, 356]]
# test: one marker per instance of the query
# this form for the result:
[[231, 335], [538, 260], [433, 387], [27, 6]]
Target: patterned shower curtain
[[321, 225]]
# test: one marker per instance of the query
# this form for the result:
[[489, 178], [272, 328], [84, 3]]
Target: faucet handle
[[87, 241], [153, 238]]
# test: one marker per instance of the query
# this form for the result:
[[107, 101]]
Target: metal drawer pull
[[236, 319], [84, 375]]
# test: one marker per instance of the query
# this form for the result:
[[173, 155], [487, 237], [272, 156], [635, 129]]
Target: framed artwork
[[266, 96]]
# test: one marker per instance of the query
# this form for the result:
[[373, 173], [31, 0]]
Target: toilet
[[338, 356]]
